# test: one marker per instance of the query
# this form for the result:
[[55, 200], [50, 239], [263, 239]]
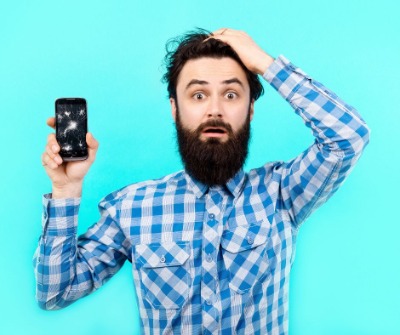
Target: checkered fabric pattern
[[207, 260]]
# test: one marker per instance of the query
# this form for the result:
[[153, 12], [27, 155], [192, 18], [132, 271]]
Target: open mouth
[[214, 131]]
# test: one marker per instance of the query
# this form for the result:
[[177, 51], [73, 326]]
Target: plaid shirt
[[207, 260]]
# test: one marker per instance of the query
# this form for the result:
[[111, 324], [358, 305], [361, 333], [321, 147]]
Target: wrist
[[69, 191], [265, 64]]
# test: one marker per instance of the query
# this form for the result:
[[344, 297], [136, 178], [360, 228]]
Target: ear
[[251, 110], [173, 108]]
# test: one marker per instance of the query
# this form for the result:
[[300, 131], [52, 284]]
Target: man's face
[[212, 88], [212, 116]]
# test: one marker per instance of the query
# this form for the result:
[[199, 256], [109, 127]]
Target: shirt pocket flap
[[243, 238], [163, 254]]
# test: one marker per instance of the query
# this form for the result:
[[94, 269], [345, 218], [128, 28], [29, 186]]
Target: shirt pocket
[[244, 255], [164, 273]]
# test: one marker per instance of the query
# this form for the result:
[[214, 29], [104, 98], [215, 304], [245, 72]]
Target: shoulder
[[145, 189], [269, 171]]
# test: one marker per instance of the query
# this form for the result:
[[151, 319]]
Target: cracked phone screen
[[71, 119]]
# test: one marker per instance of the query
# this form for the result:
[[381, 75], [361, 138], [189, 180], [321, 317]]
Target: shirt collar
[[234, 185]]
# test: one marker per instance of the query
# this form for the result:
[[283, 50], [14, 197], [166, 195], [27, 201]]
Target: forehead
[[212, 70]]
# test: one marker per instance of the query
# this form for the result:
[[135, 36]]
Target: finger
[[223, 30], [51, 137], [226, 32], [91, 141], [52, 143], [219, 31], [222, 38], [215, 37], [51, 122], [93, 145], [57, 158], [225, 35], [216, 33], [47, 162]]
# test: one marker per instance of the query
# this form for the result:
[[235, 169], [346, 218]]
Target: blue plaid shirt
[[207, 260]]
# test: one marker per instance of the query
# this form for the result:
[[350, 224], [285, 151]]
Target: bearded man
[[211, 246]]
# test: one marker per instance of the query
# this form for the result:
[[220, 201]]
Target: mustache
[[214, 123]]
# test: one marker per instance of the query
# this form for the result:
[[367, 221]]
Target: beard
[[213, 162]]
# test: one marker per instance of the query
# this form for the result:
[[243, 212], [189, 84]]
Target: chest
[[217, 219]]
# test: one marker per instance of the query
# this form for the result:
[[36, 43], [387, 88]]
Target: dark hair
[[191, 46]]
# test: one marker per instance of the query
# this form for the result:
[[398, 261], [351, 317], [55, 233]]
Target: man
[[211, 246]]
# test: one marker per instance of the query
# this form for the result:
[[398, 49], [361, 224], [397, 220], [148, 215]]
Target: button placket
[[211, 238], [212, 231]]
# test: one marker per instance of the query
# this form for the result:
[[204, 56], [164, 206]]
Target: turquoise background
[[345, 279]]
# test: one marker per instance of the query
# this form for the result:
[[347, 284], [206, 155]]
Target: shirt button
[[209, 258], [250, 240], [162, 259], [211, 216], [208, 302]]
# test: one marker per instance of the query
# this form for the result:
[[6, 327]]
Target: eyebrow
[[196, 82], [203, 82], [233, 81]]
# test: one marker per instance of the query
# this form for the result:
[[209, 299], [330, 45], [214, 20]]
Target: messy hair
[[192, 46]]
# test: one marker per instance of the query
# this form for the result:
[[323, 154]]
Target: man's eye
[[231, 95], [198, 96]]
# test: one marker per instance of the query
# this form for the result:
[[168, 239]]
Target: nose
[[215, 109]]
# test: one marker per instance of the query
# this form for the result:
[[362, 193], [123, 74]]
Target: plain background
[[345, 279]]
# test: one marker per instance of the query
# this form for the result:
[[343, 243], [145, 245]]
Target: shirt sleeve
[[340, 134], [68, 268]]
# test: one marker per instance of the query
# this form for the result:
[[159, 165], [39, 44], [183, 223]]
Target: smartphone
[[71, 128]]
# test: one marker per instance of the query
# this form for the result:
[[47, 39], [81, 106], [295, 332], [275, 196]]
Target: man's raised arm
[[340, 133]]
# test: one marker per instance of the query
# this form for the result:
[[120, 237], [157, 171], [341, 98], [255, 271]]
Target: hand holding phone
[[66, 176]]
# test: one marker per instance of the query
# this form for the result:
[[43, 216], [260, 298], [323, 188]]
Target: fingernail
[[54, 148]]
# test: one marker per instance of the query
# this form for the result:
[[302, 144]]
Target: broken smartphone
[[71, 128]]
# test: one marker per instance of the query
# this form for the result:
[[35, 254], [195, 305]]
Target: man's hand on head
[[252, 56]]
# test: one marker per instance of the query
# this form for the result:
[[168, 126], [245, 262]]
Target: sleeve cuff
[[60, 216]]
